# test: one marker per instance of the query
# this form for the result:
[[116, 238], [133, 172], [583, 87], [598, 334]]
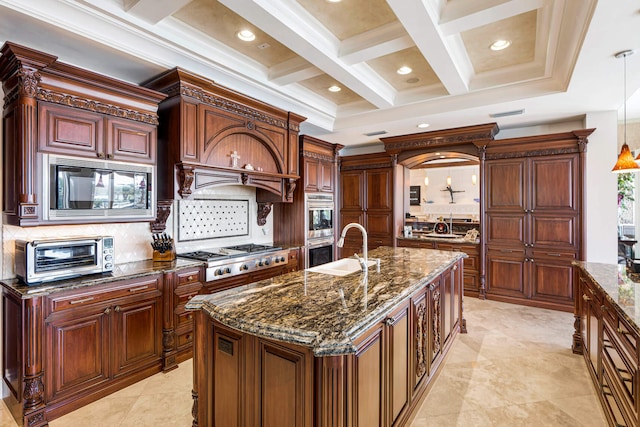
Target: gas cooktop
[[229, 252]]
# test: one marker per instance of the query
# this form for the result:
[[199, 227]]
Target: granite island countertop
[[323, 312], [129, 270], [618, 288]]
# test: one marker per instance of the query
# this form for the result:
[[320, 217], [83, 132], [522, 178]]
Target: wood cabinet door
[[378, 184], [506, 229], [326, 177], [368, 379], [554, 231], [131, 141], [137, 333], [506, 273], [399, 361], [311, 175], [286, 387], [506, 185], [78, 348], [552, 280], [352, 191], [66, 130], [554, 183]]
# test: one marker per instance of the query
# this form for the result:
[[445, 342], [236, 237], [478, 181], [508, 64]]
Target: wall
[[436, 202], [601, 188]]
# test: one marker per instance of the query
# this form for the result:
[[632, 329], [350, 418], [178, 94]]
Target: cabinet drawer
[[552, 254], [627, 337], [183, 317], [184, 339], [187, 277], [183, 297], [611, 406], [622, 372], [102, 293]]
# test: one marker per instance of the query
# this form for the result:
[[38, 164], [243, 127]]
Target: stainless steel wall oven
[[319, 224]]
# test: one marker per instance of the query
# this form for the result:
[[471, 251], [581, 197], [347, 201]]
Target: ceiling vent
[[380, 132], [507, 113]]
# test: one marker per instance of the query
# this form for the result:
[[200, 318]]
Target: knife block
[[165, 256]]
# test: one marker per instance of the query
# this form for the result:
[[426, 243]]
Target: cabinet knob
[[117, 309], [190, 278], [109, 156], [604, 307], [388, 321], [107, 310], [586, 298], [100, 155], [455, 267]]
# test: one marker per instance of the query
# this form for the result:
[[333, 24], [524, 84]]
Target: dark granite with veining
[[129, 270], [618, 288], [323, 312]]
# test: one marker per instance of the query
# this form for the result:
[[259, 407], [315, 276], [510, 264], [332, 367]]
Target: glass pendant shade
[[625, 162]]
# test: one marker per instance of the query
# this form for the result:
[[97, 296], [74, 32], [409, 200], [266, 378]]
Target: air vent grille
[[380, 132], [507, 113]]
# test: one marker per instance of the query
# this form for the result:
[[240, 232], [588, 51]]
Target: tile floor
[[513, 368]]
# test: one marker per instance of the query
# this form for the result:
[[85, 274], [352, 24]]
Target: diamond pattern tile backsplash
[[212, 219]]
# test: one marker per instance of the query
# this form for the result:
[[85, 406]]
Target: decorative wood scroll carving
[[291, 187], [421, 340], [163, 210], [264, 209], [436, 321]]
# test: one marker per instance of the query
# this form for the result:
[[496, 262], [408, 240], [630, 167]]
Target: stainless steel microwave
[[46, 260], [94, 189]]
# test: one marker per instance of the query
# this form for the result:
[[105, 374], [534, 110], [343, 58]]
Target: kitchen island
[[307, 349]]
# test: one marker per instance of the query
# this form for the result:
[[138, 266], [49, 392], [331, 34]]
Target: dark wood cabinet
[[65, 130], [368, 185], [258, 381], [59, 108], [533, 218], [610, 349], [100, 339]]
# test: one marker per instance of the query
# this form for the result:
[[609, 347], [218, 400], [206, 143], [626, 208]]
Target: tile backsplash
[[132, 240]]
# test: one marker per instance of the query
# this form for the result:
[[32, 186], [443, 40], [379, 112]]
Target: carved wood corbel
[[291, 187], [264, 209], [185, 179], [163, 210]]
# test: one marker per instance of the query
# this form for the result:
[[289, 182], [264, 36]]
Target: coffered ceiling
[[559, 65]]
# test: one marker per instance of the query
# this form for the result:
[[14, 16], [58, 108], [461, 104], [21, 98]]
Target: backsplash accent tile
[[203, 219]]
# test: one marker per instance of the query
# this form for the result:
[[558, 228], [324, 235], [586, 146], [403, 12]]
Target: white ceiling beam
[[289, 23], [375, 43], [421, 24], [459, 20], [154, 11], [292, 71]]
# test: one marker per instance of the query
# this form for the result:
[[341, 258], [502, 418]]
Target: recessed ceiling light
[[334, 1], [246, 35], [404, 70], [500, 44], [437, 154], [334, 88], [442, 157], [423, 125]]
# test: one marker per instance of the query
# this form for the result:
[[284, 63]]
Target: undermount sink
[[341, 267]]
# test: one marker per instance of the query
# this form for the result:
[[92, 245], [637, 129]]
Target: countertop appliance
[[46, 260], [239, 259]]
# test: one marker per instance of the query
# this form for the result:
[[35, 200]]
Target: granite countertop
[[618, 288], [128, 270], [323, 312], [458, 240]]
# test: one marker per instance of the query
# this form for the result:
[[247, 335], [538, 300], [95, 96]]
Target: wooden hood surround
[[204, 126]]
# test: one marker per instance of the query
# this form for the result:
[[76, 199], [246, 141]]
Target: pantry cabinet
[[533, 214], [368, 188]]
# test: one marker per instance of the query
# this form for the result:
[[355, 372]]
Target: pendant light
[[625, 162]]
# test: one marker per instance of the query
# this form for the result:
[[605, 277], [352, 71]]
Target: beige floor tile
[[102, 413], [167, 409]]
